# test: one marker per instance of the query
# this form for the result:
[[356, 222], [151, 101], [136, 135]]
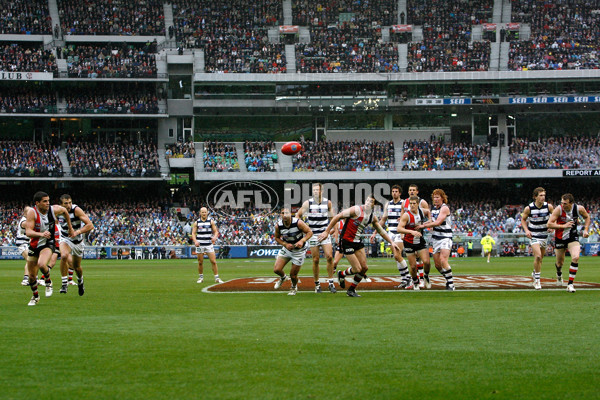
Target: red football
[[291, 148]]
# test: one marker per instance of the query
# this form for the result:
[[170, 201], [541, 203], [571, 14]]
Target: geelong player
[[319, 210], [22, 242], [71, 248], [564, 220], [204, 235], [413, 190], [357, 218], [292, 234], [40, 227], [414, 242], [534, 221], [392, 210], [441, 222]]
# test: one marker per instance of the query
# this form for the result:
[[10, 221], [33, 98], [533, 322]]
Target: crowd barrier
[[170, 252]]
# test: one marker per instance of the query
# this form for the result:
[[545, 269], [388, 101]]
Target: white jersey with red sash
[[354, 226], [43, 223], [566, 216], [413, 222]]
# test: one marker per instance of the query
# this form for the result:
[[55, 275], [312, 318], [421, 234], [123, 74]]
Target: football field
[[146, 329]]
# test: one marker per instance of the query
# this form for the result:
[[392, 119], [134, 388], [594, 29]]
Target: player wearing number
[[204, 236], [22, 242], [423, 270], [71, 248], [318, 211], [292, 234], [414, 242], [40, 227], [441, 222], [564, 220], [392, 211], [534, 221], [357, 218]]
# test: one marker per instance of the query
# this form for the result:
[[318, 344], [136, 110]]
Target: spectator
[[27, 159], [30, 17], [436, 155], [565, 152], [219, 157], [260, 156], [345, 156]]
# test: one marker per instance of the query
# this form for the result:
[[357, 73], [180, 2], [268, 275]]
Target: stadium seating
[[436, 155], [260, 156], [16, 57], [564, 35], [112, 17], [345, 156], [30, 17], [29, 159], [219, 157], [555, 153], [102, 160]]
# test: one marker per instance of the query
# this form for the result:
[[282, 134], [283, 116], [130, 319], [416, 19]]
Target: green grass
[[144, 329]]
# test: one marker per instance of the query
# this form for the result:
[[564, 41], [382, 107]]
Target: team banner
[[489, 27], [289, 29], [554, 100], [513, 26], [401, 28], [263, 251], [26, 76], [581, 172]]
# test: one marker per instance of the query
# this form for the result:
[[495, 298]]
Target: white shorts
[[542, 242], [205, 249], [297, 256], [76, 249], [313, 241], [441, 244], [397, 238], [23, 247]]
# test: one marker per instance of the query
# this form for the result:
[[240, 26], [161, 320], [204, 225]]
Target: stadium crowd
[[105, 61], [564, 35], [180, 150], [27, 159], [15, 57], [233, 34], [565, 152], [436, 155], [112, 17], [347, 47], [260, 156], [220, 157], [143, 103], [30, 17], [112, 159], [376, 12], [447, 34], [27, 101], [345, 156]]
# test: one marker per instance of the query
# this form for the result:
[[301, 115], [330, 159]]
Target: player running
[[564, 219], [357, 218], [292, 234], [414, 242]]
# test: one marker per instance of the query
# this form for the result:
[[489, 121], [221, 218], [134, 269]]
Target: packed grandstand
[[166, 100]]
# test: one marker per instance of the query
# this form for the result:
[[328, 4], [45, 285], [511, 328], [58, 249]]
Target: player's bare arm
[[85, 219], [347, 213], [552, 224], [215, 232], [382, 221], [302, 210], [280, 241], [307, 234], [194, 232], [30, 227], [588, 220], [526, 213], [58, 210], [444, 212], [402, 227], [384, 234]]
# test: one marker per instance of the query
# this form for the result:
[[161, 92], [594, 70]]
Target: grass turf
[[145, 329]]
